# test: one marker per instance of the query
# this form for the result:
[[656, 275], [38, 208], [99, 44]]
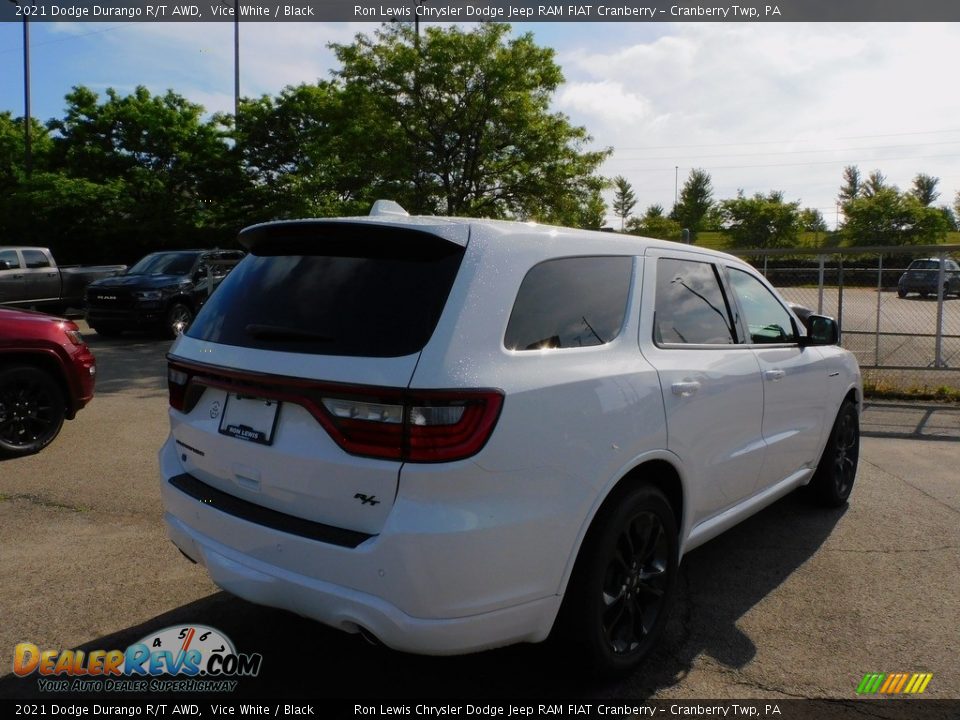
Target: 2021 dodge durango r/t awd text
[[47, 375], [455, 434]]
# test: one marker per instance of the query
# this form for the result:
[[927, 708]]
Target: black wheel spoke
[[31, 410], [634, 589]]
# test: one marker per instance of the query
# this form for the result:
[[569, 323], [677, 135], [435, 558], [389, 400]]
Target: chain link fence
[[904, 327]]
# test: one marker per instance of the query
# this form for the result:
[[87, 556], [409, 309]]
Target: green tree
[[13, 152], [581, 206], [74, 216], [889, 217], [950, 216], [696, 199], [876, 182], [852, 184], [655, 224], [812, 220], [925, 189], [301, 154], [16, 207], [174, 165], [459, 122], [624, 199], [763, 221]]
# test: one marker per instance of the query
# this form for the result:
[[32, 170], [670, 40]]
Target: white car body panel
[[476, 553]]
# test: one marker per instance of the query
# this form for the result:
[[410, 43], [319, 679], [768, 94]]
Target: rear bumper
[[919, 287], [351, 610], [411, 586]]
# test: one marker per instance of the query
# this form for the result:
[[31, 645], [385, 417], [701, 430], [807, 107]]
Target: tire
[[179, 317], [619, 594], [32, 410], [901, 293], [833, 480]]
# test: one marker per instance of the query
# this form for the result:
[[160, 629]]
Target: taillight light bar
[[389, 423]]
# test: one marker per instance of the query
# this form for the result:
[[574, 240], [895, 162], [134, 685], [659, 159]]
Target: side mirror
[[4, 265], [821, 330]]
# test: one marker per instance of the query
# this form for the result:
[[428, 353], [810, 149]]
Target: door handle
[[774, 375], [51, 274], [685, 388]]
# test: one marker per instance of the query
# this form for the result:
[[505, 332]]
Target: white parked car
[[455, 434]]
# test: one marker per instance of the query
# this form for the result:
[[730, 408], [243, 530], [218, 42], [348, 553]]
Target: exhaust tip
[[369, 636]]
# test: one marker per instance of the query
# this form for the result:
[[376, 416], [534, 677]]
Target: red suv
[[46, 375]]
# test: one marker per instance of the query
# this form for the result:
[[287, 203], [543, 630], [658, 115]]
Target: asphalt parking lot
[[795, 602]]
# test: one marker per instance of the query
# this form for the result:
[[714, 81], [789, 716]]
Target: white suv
[[455, 434]]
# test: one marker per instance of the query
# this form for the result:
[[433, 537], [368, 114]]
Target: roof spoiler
[[388, 207]]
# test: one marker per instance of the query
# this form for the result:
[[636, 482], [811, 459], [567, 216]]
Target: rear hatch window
[[333, 289]]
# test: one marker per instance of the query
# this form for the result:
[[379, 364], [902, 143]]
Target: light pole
[[236, 65], [416, 19], [28, 156], [676, 183], [236, 61]]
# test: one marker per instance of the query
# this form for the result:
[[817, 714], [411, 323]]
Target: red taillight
[[177, 379], [413, 425], [388, 423], [439, 442]]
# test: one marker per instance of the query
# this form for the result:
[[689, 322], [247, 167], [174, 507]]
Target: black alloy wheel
[[32, 410], [619, 596], [837, 470]]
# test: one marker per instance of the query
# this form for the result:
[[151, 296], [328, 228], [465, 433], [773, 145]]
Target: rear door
[[295, 368], [711, 386], [42, 279], [12, 283]]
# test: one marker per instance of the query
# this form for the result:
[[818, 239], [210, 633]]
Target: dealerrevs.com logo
[[193, 658]]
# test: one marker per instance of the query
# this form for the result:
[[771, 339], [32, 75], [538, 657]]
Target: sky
[[761, 107]]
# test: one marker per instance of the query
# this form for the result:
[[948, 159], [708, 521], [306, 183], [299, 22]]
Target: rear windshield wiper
[[278, 332]]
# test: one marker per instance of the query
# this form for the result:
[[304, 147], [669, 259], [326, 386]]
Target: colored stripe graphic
[[894, 683], [870, 683]]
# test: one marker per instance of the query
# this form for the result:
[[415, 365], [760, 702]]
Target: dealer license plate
[[249, 418]]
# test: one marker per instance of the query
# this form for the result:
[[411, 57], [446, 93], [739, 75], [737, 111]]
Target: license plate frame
[[249, 418]]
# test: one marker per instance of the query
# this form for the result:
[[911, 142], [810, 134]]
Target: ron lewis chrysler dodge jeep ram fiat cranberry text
[[455, 434]]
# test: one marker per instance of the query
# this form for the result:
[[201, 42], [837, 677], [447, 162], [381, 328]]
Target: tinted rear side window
[[691, 308], [11, 257], [570, 302], [365, 296], [35, 259]]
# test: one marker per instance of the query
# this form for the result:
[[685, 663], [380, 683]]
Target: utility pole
[[236, 65], [416, 20], [27, 117]]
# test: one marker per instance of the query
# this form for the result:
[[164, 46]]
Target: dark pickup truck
[[30, 277], [163, 291]]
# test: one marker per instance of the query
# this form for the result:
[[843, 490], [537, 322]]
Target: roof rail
[[388, 207]]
